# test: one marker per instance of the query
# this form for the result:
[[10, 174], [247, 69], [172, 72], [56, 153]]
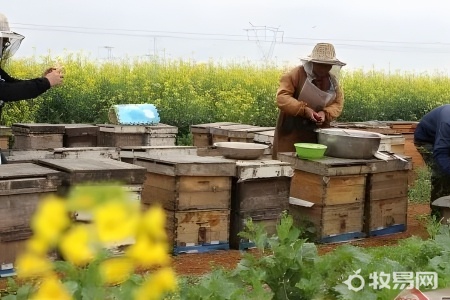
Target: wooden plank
[[267, 218], [160, 128], [328, 166], [388, 185], [130, 129], [247, 133], [113, 139], [191, 228], [260, 194], [27, 170], [202, 139], [159, 141], [39, 128], [329, 220], [38, 141], [71, 130], [385, 213], [189, 165], [252, 169], [10, 250], [205, 128], [86, 152], [16, 210], [97, 170], [323, 190], [264, 137], [225, 129], [187, 192]]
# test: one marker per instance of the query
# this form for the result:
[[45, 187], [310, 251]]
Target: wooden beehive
[[110, 135], [190, 187], [198, 230], [80, 135], [160, 135], [386, 202], [260, 192], [336, 188], [37, 136], [201, 133], [22, 186], [86, 152], [187, 182]]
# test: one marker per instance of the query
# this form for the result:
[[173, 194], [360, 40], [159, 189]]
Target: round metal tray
[[238, 150]]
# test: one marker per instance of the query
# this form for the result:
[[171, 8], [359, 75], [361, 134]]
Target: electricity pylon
[[262, 35]]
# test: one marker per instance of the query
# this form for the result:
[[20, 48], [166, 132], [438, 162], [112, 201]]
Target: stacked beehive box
[[80, 135], [22, 186], [196, 194], [261, 193], [205, 135], [5, 135], [136, 135], [37, 136], [95, 171], [349, 198]]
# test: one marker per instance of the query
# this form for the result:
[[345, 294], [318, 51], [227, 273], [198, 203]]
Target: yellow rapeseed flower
[[116, 270], [160, 282], [77, 245], [32, 265], [51, 289], [37, 245], [50, 219], [153, 222], [116, 220], [147, 253]]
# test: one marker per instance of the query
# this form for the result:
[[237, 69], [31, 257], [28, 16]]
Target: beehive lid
[[80, 129], [187, 165], [25, 170], [27, 128], [206, 128], [97, 170]]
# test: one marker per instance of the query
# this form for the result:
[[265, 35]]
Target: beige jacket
[[293, 110]]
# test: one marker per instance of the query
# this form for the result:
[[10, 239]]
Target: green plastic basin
[[310, 150]]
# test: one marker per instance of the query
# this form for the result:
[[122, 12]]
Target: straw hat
[[324, 53]]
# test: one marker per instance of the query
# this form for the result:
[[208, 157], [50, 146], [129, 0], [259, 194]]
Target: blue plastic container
[[134, 114]]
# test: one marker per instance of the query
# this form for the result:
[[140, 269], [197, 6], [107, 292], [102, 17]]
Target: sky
[[395, 35]]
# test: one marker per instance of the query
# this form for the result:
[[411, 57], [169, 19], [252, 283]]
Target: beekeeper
[[308, 97], [12, 89]]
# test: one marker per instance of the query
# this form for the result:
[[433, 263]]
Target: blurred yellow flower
[[147, 253], [160, 282], [116, 220], [32, 265], [116, 270], [50, 219], [153, 222], [77, 245], [51, 289], [37, 245]]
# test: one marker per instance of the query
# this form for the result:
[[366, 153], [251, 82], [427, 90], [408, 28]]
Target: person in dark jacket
[[432, 140], [13, 89]]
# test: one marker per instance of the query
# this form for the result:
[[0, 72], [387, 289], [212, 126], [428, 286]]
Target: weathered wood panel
[[10, 250], [96, 170], [267, 218], [38, 141], [324, 190], [259, 194], [192, 228], [387, 185], [189, 165], [187, 192], [329, 220], [385, 213]]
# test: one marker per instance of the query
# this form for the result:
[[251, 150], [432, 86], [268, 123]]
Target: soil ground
[[201, 263]]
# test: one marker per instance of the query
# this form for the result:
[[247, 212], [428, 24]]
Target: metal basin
[[348, 143], [237, 150]]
